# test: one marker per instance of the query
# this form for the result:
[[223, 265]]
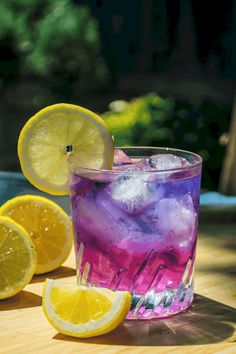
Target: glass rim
[[196, 164]]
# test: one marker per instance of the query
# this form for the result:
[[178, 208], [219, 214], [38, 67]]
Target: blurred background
[[161, 72]]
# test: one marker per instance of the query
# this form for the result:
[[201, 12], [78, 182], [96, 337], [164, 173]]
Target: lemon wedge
[[49, 227], [55, 133], [81, 311], [17, 258]]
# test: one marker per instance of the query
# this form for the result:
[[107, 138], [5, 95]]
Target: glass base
[[156, 305]]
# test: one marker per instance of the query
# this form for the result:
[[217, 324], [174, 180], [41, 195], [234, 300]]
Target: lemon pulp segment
[[17, 258]]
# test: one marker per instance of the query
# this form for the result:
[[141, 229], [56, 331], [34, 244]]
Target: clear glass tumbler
[[135, 228]]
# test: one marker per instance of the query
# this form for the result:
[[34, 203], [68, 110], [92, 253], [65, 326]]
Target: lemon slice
[[17, 258], [47, 224], [53, 134], [81, 311]]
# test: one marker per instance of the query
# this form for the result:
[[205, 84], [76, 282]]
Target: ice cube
[[120, 158], [142, 165], [177, 218], [111, 209], [122, 229], [102, 219], [133, 192], [165, 162]]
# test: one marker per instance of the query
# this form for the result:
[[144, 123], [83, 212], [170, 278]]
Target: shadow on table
[[61, 272], [22, 300], [206, 322]]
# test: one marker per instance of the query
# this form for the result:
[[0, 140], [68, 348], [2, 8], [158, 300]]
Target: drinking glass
[[135, 228]]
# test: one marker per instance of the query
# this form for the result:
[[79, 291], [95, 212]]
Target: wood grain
[[209, 326]]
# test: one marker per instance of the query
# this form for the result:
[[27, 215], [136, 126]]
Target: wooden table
[[208, 327]]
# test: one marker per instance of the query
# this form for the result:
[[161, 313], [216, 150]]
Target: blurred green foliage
[[50, 51], [155, 121], [54, 39], [140, 122]]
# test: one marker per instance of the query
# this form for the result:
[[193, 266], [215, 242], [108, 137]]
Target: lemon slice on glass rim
[[17, 258], [82, 311], [59, 131]]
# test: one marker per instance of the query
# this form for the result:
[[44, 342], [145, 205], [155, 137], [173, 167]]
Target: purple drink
[[136, 227]]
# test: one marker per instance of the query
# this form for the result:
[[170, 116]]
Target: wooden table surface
[[208, 327]]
